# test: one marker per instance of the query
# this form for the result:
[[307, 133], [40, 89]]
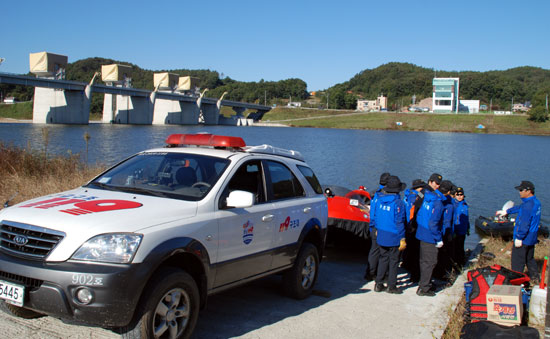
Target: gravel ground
[[343, 306]]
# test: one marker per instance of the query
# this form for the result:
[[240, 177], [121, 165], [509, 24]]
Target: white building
[[381, 103], [445, 95], [10, 100], [470, 106]]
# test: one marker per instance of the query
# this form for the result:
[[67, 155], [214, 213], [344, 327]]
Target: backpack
[[482, 279]]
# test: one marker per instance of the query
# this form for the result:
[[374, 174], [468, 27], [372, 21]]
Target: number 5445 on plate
[[12, 293]]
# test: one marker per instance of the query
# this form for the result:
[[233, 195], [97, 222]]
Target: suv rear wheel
[[169, 307], [298, 282]]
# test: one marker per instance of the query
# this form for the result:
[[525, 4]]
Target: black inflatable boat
[[503, 229]]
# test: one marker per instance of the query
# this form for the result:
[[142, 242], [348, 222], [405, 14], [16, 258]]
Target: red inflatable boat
[[348, 209]]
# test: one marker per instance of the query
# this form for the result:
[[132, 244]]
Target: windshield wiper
[[104, 186], [131, 189], [134, 189]]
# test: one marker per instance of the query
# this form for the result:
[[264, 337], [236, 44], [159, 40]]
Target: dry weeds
[[30, 174]]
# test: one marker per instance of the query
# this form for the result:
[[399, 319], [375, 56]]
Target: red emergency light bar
[[205, 140]]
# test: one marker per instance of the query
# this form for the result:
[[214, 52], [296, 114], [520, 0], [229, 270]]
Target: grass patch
[[20, 111], [502, 251], [495, 124]]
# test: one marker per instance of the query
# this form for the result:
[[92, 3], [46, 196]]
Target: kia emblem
[[21, 240]]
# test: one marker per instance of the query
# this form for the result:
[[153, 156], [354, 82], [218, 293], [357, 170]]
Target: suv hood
[[85, 212]]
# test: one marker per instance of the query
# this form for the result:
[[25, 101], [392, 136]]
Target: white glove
[[518, 243], [501, 214], [439, 244]]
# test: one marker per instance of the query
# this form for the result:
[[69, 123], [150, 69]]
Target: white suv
[[140, 247]]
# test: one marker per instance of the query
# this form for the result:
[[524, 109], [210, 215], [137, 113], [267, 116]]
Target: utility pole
[[327, 99], [546, 102], [265, 98], [491, 105], [512, 108]]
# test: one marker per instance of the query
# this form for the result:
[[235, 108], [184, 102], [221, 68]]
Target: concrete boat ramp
[[343, 306]]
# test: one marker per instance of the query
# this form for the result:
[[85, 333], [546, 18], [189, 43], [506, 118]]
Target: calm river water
[[487, 166]]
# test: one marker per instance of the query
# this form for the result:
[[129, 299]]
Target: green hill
[[400, 81]]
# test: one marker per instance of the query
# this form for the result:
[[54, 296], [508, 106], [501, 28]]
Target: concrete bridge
[[68, 102]]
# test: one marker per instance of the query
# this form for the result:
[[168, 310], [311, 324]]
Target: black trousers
[[374, 254], [411, 256], [428, 260], [458, 249], [525, 255], [444, 258], [388, 262]]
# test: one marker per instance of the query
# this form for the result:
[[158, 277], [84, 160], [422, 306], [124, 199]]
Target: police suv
[[140, 247]]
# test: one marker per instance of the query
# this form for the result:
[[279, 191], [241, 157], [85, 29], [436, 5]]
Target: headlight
[[112, 248]]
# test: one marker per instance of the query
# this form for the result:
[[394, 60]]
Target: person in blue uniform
[[390, 226], [429, 233], [525, 230], [374, 252], [461, 223], [413, 200]]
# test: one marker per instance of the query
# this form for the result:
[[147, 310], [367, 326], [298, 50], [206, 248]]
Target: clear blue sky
[[321, 42]]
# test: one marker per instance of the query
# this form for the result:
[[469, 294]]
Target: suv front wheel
[[298, 282], [169, 307], [19, 312]]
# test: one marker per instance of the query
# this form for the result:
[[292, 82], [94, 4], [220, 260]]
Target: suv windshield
[[172, 175]]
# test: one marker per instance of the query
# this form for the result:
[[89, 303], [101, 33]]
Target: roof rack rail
[[268, 149]]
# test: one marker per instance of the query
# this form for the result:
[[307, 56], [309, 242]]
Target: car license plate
[[12, 293]]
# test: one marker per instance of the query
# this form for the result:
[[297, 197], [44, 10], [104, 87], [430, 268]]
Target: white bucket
[[537, 306]]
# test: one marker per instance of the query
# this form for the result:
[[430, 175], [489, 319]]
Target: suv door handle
[[267, 217], [307, 209]]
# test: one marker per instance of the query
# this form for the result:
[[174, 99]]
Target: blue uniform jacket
[[528, 220], [448, 211], [390, 219], [372, 222], [461, 219], [430, 218]]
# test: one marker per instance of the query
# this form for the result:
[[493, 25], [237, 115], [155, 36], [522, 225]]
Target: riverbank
[[462, 123], [348, 119]]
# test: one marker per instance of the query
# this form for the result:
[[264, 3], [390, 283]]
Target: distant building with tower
[[380, 104]]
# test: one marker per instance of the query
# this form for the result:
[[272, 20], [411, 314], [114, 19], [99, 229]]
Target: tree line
[[254, 92], [398, 81]]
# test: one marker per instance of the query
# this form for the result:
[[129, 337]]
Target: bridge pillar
[[239, 111], [172, 112], [130, 110], [211, 113], [53, 106]]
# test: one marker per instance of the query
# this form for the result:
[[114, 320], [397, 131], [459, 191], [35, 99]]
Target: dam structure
[[175, 100]]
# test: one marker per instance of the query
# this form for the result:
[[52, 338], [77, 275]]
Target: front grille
[[28, 282], [27, 240]]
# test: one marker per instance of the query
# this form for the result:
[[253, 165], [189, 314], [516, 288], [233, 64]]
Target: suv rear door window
[[284, 184], [311, 178]]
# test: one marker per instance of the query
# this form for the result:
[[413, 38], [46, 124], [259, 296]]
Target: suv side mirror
[[240, 199]]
